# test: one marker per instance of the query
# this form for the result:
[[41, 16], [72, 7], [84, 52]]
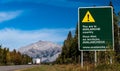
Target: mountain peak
[[42, 49], [40, 45]]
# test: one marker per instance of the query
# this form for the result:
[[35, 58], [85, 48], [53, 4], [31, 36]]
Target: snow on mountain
[[45, 50]]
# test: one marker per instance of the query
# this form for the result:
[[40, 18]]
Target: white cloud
[[13, 38], [5, 16]]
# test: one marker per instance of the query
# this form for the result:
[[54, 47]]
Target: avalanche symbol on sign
[[88, 18]]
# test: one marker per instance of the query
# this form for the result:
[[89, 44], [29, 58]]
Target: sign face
[[95, 29]]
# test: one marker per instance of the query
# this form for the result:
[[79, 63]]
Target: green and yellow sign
[[95, 29]]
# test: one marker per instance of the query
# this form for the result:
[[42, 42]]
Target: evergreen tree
[[8, 57], [4, 55], [70, 52], [75, 53], [65, 54], [13, 57], [116, 29], [1, 55]]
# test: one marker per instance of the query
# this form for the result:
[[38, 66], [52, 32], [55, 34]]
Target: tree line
[[14, 57], [71, 54]]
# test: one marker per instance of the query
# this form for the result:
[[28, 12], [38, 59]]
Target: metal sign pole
[[111, 59], [82, 59], [95, 58]]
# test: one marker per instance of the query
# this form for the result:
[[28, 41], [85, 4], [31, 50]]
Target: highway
[[15, 67]]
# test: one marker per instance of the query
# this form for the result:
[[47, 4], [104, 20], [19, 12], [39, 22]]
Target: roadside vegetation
[[70, 67], [12, 57], [108, 67]]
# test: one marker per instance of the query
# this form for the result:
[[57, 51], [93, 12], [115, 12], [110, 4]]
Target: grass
[[72, 67], [108, 67], [69, 67]]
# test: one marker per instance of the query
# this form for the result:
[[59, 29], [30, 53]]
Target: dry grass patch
[[70, 67]]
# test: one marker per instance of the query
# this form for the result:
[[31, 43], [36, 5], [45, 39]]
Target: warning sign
[[88, 18], [95, 28]]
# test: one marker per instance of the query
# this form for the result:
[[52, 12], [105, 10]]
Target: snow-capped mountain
[[47, 51]]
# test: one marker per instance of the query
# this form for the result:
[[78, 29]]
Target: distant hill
[[47, 51]]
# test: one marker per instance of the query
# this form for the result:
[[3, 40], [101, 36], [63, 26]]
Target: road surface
[[16, 67]]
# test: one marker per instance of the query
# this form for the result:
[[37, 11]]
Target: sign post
[[95, 29], [95, 58], [82, 59]]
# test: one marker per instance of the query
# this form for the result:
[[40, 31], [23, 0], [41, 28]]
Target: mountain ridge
[[46, 50]]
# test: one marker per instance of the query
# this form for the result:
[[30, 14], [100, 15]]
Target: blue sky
[[27, 21]]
